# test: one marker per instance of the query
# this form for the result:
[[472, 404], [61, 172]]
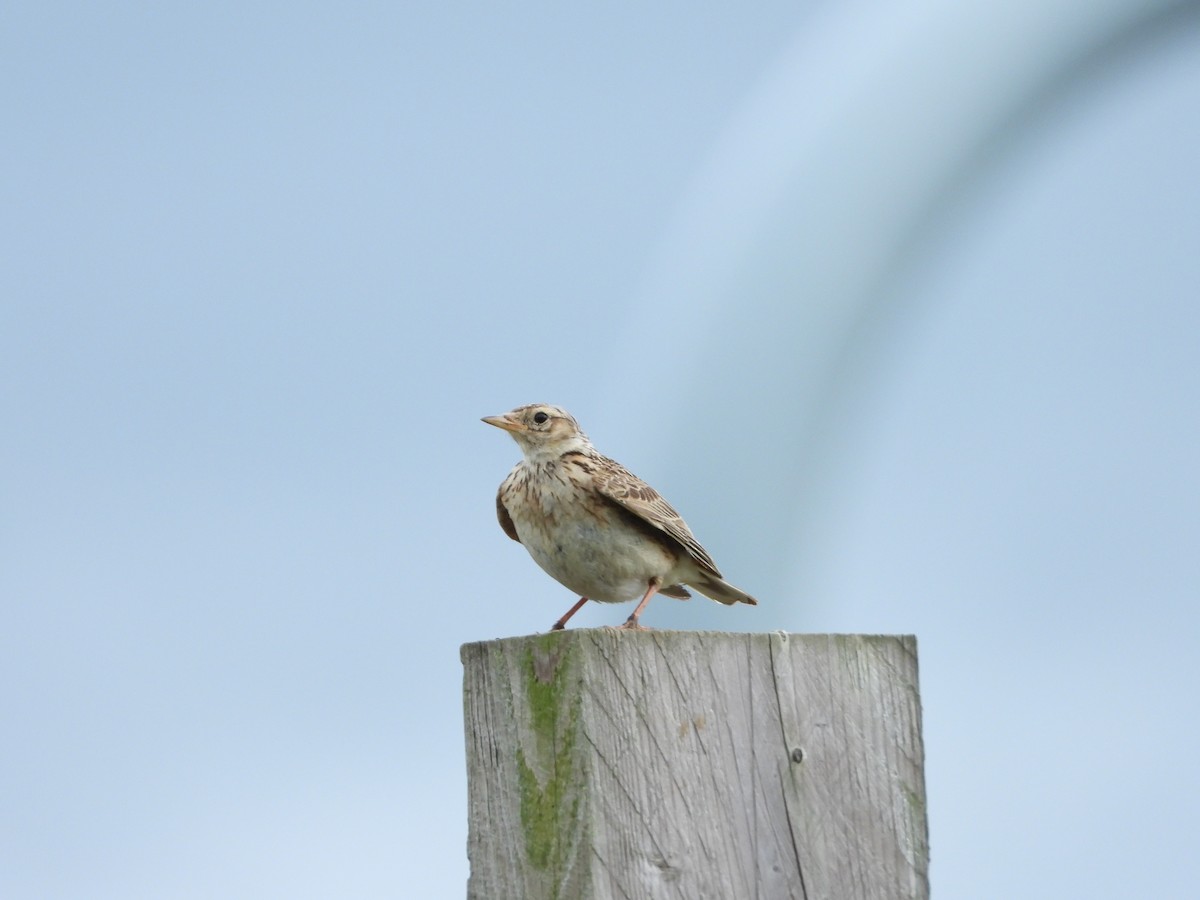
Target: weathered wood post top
[[611, 764]]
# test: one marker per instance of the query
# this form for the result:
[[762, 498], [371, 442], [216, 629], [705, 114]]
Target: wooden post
[[607, 764]]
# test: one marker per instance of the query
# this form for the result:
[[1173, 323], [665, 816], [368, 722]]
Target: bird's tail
[[722, 591]]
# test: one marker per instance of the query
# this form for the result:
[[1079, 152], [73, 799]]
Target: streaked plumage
[[593, 525]]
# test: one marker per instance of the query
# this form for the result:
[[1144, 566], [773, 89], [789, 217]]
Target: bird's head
[[542, 431]]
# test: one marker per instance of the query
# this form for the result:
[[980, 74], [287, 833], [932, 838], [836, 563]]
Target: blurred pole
[[782, 252]]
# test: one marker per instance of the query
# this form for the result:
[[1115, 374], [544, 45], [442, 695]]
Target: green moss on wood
[[918, 825], [549, 784]]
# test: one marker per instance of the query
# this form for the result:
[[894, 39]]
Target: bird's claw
[[632, 624]]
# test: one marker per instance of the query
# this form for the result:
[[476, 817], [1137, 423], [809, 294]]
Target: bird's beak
[[505, 421]]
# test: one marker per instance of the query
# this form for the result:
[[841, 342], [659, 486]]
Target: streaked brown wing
[[506, 521], [624, 488]]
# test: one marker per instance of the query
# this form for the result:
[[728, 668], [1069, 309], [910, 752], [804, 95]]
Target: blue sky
[[898, 308]]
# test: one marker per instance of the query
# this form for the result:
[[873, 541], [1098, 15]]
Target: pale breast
[[582, 540]]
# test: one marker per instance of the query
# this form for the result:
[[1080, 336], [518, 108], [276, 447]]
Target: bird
[[592, 525]]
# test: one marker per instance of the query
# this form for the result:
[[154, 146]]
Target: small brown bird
[[592, 525]]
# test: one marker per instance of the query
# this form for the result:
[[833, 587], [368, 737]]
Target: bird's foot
[[632, 624], [562, 623]]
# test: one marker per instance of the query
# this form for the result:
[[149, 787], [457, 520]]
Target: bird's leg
[[562, 623], [631, 624]]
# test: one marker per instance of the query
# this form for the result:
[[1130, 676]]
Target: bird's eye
[[540, 418]]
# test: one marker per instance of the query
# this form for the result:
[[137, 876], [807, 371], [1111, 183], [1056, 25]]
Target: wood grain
[[608, 764]]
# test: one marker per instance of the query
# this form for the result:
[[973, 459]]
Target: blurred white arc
[[779, 250]]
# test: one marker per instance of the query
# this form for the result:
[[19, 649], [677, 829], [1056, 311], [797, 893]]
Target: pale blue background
[[265, 265]]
